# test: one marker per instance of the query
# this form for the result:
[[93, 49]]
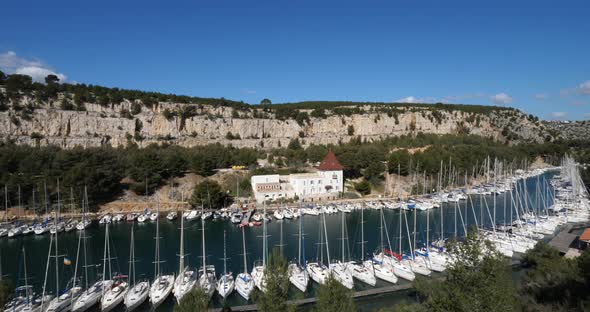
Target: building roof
[[585, 237], [330, 163], [563, 241]]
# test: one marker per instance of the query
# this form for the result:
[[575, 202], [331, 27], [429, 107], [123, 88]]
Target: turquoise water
[[37, 246]]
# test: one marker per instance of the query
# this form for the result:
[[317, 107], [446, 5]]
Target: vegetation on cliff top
[[17, 86]]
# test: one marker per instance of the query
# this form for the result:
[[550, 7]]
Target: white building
[[326, 183]]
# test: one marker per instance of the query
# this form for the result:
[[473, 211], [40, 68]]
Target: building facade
[[325, 183]]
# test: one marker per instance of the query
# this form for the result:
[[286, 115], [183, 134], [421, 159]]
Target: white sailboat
[[317, 270], [112, 296], [363, 270], [259, 269], [207, 278], [163, 283], [225, 285], [417, 265], [64, 299], [187, 278], [138, 292], [424, 254], [91, 294], [382, 267], [244, 282], [25, 299], [297, 272], [340, 269]]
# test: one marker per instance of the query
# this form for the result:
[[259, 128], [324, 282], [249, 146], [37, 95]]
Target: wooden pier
[[308, 301]]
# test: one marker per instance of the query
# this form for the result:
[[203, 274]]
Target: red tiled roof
[[330, 163], [585, 237]]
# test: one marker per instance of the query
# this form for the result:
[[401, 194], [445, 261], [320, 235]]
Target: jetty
[[309, 301]]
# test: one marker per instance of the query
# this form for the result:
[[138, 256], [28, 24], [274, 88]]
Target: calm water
[[37, 246]]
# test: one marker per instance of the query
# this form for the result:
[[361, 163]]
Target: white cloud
[[502, 98], [558, 115], [14, 64], [541, 96], [413, 99], [584, 87]]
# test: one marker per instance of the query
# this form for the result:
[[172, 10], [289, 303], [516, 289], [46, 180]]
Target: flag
[[67, 261]]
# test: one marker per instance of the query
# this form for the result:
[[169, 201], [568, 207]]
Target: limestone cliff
[[113, 124]]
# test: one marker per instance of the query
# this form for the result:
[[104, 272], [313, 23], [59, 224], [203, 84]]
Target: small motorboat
[[154, 216], [105, 219], [172, 215], [119, 217]]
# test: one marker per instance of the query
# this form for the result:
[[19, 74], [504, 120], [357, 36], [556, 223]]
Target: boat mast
[[244, 248], [77, 258], [104, 258], [363, 233], [414, 247], [56, 249], [299, 256], [84, 233], [264, 236], [224, 255], [203, 240], [132, 257], [427, 228], [442, 229], [400, 229], [181, 264], [342, 233], [327, 243], [157, 262]]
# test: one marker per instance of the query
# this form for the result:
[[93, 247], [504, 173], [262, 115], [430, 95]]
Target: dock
[[309, 301]]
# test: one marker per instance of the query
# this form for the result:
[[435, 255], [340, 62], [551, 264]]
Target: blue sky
[[533, 55]]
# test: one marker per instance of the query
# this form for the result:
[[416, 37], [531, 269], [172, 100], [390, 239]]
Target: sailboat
[[84, 223], [318, 271], [415, 263], [225, 285], [244, 283], [187, 278], [394, 260], [18, 228], [424, 254], [64, 298], [207, 278], [259, 269], [163, 284], [92, 294], [25, 299], [138, 292], [340, 269], [383, 268], [297, 271], [114, 295], [364, 270]]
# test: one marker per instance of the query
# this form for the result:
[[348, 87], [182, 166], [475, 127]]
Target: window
[[311, 182], [334, 177]]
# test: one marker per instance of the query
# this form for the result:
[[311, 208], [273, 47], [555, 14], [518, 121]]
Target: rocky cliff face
[[569, 130], [46, 124]]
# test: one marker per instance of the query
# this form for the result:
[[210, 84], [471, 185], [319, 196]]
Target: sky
[[532, 55]]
